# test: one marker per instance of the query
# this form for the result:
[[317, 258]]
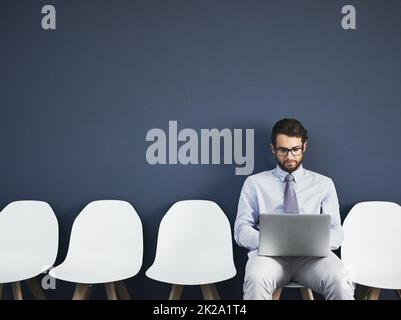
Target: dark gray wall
[[76, 103]]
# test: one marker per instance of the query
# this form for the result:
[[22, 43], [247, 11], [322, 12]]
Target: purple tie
[[290, 198]]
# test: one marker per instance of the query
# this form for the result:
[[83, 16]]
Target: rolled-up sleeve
[[330, 206], [246, 232]]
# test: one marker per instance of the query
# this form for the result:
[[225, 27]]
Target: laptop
[[288, 234]]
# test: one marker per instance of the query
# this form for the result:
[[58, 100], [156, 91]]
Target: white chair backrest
[[372, 244], [107, 230], [28, 239], [194, 245]]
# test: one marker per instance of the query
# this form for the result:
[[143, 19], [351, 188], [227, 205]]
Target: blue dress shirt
[[264, 193]]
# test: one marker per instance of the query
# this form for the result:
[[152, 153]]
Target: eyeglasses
[[296, 151]]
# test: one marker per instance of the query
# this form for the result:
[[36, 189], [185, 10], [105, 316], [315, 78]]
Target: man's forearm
[[336, 237], [246, 236]]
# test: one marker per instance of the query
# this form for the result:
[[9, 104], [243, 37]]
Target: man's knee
[[337, 284], [259, 286], [336, 279], [260, 279]]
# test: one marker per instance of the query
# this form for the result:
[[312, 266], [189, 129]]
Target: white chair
[[106, 247], [306, 293], [28, 244], [371, 249], [194, 247]]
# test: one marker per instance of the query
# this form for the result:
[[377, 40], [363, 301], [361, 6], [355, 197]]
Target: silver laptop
[[283, 234]]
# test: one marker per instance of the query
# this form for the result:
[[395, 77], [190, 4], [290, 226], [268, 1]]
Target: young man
[[289, 188]]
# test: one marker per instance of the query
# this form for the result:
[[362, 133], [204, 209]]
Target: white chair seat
[[293, 284], [178, 274], [94, 272], [23, 268]]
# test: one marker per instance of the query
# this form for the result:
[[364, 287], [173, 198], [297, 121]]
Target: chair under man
[[194, 247], [28, 245], [106, 247], [306, 293]]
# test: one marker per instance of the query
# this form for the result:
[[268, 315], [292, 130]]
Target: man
[[290, 188]]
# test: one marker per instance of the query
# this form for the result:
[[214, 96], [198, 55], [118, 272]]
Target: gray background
[[76, 103]]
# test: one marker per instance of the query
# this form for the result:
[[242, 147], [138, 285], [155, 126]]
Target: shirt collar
[[281, 174]]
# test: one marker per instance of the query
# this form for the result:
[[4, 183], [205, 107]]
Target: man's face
[[287, 160]]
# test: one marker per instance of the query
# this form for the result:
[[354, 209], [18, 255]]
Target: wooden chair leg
[[399, 293], [373, 294], [215, 293], [111, 291], [306, 293], [277, 294], [88, 292], [360, 292], [176, 291], [36, 289], [122, 290], [81, 291], [207, 291], [1, 291], [17, 292], [367, 292]]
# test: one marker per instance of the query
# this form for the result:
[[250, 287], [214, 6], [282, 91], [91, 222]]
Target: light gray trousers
[[327, 276]]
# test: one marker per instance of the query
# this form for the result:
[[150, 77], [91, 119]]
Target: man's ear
[[305, 145], [273, 150]]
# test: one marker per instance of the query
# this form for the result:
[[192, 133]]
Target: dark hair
[[289, 127]]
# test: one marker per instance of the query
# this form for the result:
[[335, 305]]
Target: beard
[[289, 165]]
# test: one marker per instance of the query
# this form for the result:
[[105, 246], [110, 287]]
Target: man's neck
[[283, 173]]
